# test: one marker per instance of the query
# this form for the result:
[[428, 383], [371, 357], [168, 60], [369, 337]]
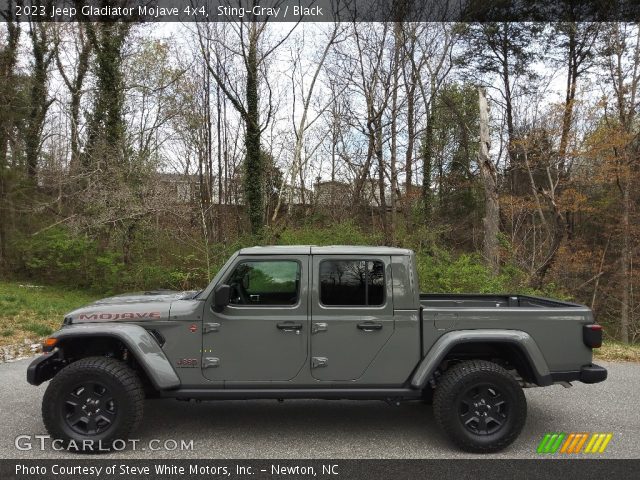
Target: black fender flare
[[522, 340], [140, 343]]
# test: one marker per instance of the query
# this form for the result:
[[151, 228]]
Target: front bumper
[[43, 368], [587, 374]]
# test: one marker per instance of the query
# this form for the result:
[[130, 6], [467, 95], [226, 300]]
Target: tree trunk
[[559, 229], [625, 259], [220, 172], [489, 179], [8, 59], [74, 85], [567, 118], [105, 144], [75, 136], [394, 129], [411, 138], [513, 167], [254, 169], [362, 176], [570, 93], [427, 166], [381, 184], [38, 101]]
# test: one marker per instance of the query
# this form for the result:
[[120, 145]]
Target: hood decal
[[112, 316], [136, 307]]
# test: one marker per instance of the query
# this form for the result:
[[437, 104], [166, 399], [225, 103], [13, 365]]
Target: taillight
[[592, 335]]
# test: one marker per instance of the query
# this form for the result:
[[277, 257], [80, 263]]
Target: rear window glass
[[352, 282]]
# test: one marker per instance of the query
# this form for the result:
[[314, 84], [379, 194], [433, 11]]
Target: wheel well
[[73, 349], [506, 354]]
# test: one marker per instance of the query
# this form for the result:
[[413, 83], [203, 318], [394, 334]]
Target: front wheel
[[93, 402], [480, 406]]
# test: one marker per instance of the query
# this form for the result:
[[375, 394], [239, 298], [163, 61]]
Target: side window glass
[[272, 282], [376, 283], [351, 283]]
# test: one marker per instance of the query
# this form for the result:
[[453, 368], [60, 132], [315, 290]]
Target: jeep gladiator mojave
[[314, 322]]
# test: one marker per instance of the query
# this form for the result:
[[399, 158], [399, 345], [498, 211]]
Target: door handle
[[319, 327], [211, 362], [369, 327], [317, 362], [289, 327], [210, 327]]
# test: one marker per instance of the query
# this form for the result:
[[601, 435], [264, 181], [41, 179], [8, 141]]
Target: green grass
[[39, 329], [32, 312]]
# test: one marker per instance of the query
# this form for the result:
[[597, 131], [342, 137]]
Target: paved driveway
[[336, 429]]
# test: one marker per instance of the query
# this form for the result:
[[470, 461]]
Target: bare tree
[[621, 53], [73, 69], [431, 63], [8, 61], [489, 176], [305, 122], [504, 51], [43, 52], [373, 81], [254, 52]]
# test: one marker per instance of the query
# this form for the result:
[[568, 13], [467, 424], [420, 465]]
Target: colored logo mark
[[570, 443]]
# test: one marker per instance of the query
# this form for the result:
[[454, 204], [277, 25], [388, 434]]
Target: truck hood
[[130, 307]]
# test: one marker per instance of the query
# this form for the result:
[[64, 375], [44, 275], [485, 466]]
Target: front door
[[262, 334], [352, 314]]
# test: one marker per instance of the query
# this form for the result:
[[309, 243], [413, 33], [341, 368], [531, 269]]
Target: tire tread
[[117, 370], [444, 398]]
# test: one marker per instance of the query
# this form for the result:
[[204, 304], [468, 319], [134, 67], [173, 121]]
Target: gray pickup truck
[[313, 322]]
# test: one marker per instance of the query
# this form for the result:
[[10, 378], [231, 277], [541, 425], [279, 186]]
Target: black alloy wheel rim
[[89, 408], [483, 409]]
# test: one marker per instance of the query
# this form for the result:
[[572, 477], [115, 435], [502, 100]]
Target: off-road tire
[[464, 385], [123, 403]]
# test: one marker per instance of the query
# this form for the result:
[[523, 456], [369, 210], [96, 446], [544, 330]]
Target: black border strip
[[322, 10], [583, 469]]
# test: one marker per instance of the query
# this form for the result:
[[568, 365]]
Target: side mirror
[[221, 297]]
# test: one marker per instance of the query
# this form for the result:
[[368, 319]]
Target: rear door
[[351, 314], [262, 335]]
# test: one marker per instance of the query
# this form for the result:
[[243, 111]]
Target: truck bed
[[468, 300], [555, 326]]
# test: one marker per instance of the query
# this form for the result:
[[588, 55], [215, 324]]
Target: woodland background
[[140, 156]]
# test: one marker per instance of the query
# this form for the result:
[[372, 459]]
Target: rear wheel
[[92, 403], [480, 406]]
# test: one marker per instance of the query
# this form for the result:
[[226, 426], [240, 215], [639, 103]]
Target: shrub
[[58, 256], [441, 272], [55, 254], [343, 233], [107, 272]]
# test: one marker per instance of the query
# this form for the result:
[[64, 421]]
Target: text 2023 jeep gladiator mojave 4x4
[[313, 322]]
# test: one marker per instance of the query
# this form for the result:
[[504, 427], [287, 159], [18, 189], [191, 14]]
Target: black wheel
[[480, 406], [93, 402]]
